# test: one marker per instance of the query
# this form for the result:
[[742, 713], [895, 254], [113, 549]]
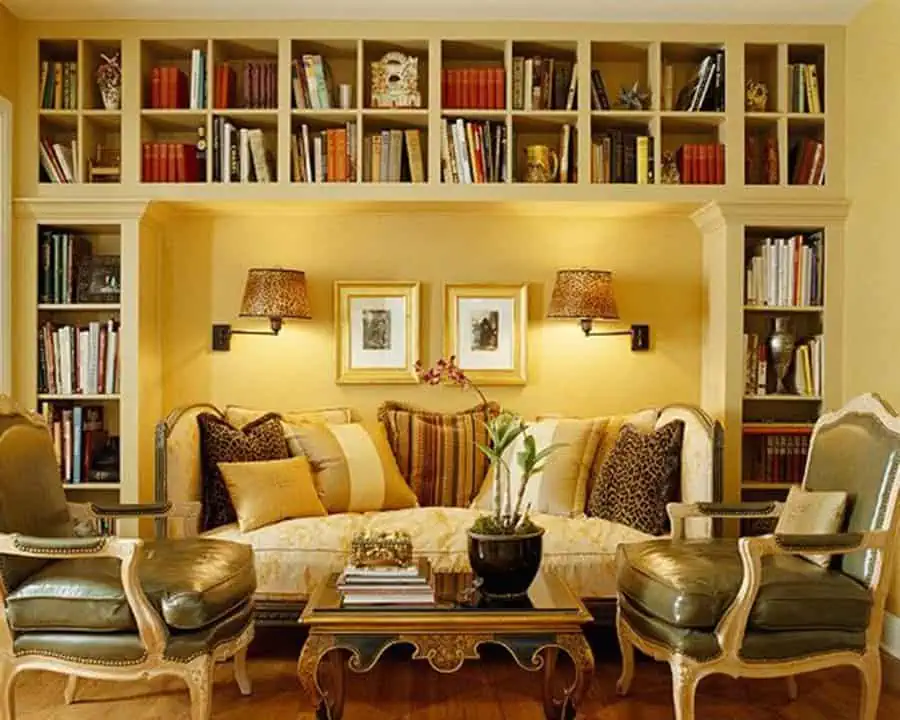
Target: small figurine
[[634, 98], [757, 96], [670, 174]]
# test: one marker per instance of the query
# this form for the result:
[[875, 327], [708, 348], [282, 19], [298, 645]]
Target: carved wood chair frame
[[687, 671], [197, 671]]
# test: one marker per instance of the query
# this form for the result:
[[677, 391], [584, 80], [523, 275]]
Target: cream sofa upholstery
[[292, 556]]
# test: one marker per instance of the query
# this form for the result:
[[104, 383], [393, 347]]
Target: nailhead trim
[[98, 544], [81, 660]]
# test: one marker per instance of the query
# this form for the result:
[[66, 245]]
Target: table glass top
[[455, 593]]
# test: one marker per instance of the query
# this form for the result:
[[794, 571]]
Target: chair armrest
[[151, 628], [733, 625], [88, 512], [679, 512]]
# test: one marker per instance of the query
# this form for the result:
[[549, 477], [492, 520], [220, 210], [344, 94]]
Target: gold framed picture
[[486, 328], [376, 331]]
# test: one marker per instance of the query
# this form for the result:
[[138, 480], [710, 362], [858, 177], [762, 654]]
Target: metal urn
[[781, 352]]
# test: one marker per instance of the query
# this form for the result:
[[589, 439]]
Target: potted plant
[[505, 545]]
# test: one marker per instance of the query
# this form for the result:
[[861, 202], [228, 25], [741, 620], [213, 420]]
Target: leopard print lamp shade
[[275, 293], [583, 293]]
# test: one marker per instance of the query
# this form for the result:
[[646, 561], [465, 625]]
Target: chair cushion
[[191, 582], [123, 648], [690, 584], [758, 645]]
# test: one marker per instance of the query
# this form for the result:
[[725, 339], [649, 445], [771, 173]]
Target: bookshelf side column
[[132, 79], [283, 160]]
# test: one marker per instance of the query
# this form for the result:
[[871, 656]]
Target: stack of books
[[387, 585]]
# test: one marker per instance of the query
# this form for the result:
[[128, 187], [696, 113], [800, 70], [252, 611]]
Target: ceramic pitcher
[[541, 164]]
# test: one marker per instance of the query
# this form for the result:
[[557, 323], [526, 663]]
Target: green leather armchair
[[108, 607], [751, 607]]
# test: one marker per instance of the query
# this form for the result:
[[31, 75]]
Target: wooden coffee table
[[533, 630]]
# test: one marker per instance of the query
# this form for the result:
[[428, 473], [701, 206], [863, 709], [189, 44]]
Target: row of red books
[[701, 164], [168, 89], [808, 163], [172, 162], [779, 458], [477, 88], [253, 85]]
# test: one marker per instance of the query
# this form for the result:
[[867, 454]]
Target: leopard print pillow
[[639, 478], [220, 441]]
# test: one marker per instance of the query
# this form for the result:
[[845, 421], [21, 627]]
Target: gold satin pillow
[[264, 493], [355, 470]]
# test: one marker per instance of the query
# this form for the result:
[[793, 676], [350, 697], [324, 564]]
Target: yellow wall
[[872, 319], [8, 59], [658, 281]]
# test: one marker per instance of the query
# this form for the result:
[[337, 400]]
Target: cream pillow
[[812, 513], [560, 488], [264, 493], [355, 470]]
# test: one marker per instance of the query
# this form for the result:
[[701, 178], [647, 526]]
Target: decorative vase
[[781, 351], [109, 81], [505, 565]]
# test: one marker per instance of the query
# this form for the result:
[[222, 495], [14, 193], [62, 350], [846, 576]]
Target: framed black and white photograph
[[485, 327], [99, 279], [377, 331]]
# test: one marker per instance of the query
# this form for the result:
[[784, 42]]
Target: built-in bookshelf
[[78, 356], [784, 355], [275, 110]]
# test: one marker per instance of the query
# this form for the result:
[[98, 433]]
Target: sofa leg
[[7, 691], [199, 681], [240, 671], [627, 649], [684, 688], [71, 687], [871, 685], [792, 691]]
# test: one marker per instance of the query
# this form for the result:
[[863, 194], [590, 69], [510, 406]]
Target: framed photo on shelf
[[99, 279], [377, 331], [486, 328]]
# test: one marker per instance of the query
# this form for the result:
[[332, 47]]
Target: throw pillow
[[639, 478], [267, 492], [812, 513], [437, 453], [556, 489], [643, 420], [262, 439], [354, 468], [240, 416]]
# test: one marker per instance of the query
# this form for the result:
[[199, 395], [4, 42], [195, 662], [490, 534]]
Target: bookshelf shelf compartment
[[696, 144], [167, 68], [761, 65], [541, 76], [620, 65], [805, 74], [92, 54], [686, 65], [338, 148], [374, 50], [532, 129], [340, 65], [473, 75]]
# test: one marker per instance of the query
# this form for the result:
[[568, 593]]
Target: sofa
[[293, 556]]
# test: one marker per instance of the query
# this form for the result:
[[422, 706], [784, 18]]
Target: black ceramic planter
[[505, 564]]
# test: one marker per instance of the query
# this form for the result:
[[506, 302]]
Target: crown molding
[[79, 211], [714, 215]]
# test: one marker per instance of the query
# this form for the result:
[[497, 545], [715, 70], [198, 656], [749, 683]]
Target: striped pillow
[[353, 465], [559, 488], [437, 453]]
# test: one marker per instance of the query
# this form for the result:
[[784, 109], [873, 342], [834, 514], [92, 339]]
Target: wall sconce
[[588, 295], [269, 292]]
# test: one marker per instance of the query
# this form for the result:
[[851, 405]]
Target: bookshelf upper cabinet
[[338, 110]]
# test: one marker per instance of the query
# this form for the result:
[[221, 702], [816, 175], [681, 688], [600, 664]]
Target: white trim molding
[[890, 639], [6, 229]]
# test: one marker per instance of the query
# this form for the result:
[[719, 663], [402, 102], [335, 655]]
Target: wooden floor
[[494, 689]]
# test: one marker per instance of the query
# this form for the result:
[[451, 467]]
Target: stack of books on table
[[403, 585]]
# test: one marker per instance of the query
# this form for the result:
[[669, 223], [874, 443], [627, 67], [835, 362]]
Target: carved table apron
[[321, 667]]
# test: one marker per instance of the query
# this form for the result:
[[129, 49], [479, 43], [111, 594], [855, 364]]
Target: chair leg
[[627, 649], [199, 681], [871, 686], [684, 688], [792, 687], [7, 691], [240, 671], [71, 687]]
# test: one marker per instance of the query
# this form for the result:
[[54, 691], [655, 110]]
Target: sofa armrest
[[150, 625], [679, 512]]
